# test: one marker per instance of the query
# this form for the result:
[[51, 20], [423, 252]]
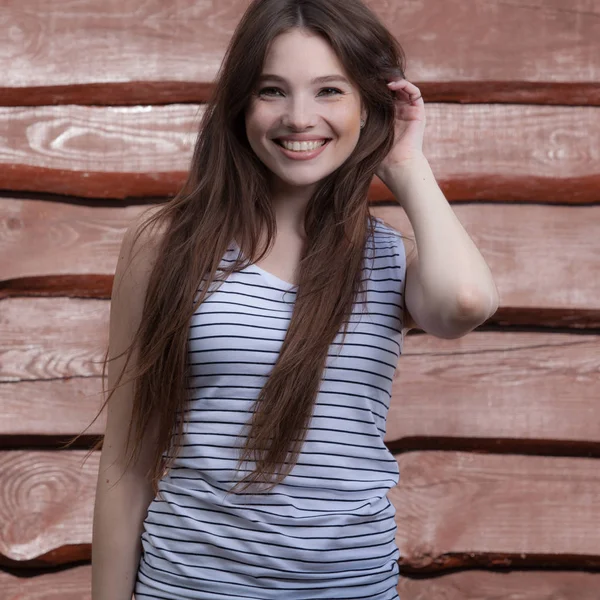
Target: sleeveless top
[[328, 530]]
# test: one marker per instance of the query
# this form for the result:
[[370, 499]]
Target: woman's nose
[[298, 114]]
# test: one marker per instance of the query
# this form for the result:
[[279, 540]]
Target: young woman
[[257, 320]]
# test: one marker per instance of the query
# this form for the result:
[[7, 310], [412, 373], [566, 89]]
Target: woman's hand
[[409, 128]]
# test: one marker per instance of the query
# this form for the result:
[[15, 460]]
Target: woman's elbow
[[476, 307], [470, 311], [457, 314]]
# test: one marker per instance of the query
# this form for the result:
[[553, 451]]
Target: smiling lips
[[292, 144], [302, 150]]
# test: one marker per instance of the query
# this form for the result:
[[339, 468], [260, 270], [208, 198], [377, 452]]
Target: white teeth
[[302, 146]]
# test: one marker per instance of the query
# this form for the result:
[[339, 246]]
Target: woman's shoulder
[[386, 237], [145, 233], [139, 249], [399, 234], [383, 230]]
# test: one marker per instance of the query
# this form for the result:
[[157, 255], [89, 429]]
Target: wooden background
[[497, 434]]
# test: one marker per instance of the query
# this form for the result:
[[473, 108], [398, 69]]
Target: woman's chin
[[298, 181]]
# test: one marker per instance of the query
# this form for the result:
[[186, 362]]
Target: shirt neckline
[[267, 275]]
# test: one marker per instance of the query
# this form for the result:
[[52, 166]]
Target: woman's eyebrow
[[322, 79]]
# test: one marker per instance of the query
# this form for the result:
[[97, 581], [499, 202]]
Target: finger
[[410, 98], [409, 89]]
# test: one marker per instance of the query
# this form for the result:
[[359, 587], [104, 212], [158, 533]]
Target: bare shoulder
[[142, 238], [399, 223], [396, 219], [138, 253], [146, 228], [410, 249]]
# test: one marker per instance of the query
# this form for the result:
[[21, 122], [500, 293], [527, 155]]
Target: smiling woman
[[263, 313]]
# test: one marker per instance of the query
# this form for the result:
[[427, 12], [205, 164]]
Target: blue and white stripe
[[327, 531]]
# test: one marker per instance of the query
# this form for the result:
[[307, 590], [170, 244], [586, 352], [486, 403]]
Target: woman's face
[[287, 103]]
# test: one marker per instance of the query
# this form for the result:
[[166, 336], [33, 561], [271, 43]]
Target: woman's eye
[[278, 90], [334, 90], [265, 90]]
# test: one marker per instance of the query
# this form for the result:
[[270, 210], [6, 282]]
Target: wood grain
[[455, 503], [530, 249], [102, 152], [54, 408], [153, 52], [41, 238], [513, 386], [46, 505], [53, 338], [483, 152], [452, 509], [75, 584], [69, 584]]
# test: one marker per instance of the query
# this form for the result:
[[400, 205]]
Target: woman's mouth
[[302, 150]]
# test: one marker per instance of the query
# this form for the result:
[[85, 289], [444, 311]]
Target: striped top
[[328, 530]]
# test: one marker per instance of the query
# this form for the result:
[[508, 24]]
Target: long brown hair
[[225, 198]]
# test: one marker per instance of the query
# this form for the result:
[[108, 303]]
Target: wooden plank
[[75, 584], [514, 386], [47, 501], [452, 509], [510, 585], [73, 286], [69, 584], [510, 389], [44, 238], [455, 509], [53, 338], [141, 53], [107, 152], [529, 248], [483, 152], [51, 409]]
